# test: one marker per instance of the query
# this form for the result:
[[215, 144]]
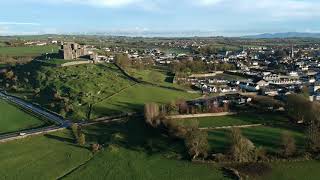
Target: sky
[[166, 17]]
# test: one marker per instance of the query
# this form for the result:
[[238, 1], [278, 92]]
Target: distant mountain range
[[284, 35]]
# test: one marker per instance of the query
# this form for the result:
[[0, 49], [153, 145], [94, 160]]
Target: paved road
[[28, 132], [56, 119], [59, 121]]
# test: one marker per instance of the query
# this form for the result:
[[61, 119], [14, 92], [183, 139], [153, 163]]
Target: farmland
[[134, 98], [43, 157], [294, 171], [134, 151], [155, 76], [267, 136], [28, 50], [13, 119], [128, 164]]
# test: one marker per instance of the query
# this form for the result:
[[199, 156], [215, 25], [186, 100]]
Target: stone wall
[[73, 63]]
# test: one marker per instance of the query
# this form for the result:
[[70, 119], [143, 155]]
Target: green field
[[135, 151], [154, 76], [134, 98], [43, 157], [308, 170], [262, 136], [13, 119], [120, 163], [232, 120], [268, 136], [28, 50], [229, 77]]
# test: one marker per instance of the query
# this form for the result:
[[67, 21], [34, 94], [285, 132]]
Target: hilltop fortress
[[73, 51]]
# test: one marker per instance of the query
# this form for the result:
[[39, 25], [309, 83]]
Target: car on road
[[22, 134]]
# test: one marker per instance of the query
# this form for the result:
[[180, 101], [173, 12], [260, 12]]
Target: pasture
[[134, 98], [119, 163], [294, 171], [134, 151], [13, 119], [28, 50], [267, 136], [47, 156]]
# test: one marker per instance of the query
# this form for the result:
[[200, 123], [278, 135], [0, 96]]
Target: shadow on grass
[[58, 138], [119, 108], [135, 135]]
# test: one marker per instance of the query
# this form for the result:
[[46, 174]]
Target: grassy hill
[[71, 91], [13, 119]]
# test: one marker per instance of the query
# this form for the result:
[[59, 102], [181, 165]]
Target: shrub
[[82, 139], [196, 142], [151, 114], [242, 149], [95, 147], [74, 128], [288, 145], [313, 137]]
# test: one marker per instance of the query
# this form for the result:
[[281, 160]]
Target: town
[[203, 94], [159, 89]]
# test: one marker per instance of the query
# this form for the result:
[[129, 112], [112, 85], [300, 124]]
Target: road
[[56, 119], [28, 132], [60, 122]]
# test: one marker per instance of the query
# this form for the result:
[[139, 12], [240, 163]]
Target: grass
[[229, 77], [13, 119], [81, 85], [120, 163], [134, 98], [135, 151], [294, 171], [42, 157], [28, 50], [262, 136], [268, 136], [104, 86], [232, 120], [156, 75]]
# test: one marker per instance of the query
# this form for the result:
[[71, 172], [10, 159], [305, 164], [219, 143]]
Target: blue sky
[[209, 17]]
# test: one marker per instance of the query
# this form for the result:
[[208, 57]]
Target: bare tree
[[197, 144], [288, 145], [151, 114], [242, 149]]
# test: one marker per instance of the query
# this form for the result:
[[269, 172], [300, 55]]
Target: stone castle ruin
[[73, 51]]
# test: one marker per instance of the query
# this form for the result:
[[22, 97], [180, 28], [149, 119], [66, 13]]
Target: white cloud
[[18, 23], [3, 29], [254, 8], [208, 2], [281, 9], [96, 3]]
